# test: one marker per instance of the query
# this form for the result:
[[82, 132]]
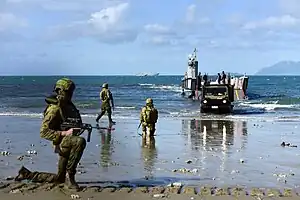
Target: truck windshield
[[215, 91]]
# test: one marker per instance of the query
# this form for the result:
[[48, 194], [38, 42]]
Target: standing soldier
[[223, 77], [219, 78], [205, 79], [148, 119], [106, 98], [69, 147]]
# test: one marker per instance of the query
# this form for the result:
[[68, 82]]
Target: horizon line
[[90, 75], [104, 75]]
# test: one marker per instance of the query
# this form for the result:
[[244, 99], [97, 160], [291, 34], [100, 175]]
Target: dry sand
[[35, 191]]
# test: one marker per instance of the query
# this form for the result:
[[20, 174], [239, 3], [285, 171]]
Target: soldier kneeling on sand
[[148, 119], [69, 147]]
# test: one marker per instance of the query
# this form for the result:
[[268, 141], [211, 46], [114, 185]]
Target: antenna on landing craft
[[195, 55]]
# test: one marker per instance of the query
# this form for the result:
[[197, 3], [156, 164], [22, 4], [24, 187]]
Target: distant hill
[[281, 68]]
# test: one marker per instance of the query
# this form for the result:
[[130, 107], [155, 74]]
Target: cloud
[[25, 66], [191, 14], [273, 32], [108, 18], [159, 29], [9, 22], [165, 40], [290, 7], [10, 26], [107, 25], [233, 32], [62, 5], [235, 19], [285, 21], [192, 18], [179, 31], [106, 21]]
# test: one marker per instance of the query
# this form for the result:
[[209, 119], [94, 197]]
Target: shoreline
[[34, 191]]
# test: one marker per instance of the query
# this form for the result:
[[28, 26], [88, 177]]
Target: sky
[[118, 37]]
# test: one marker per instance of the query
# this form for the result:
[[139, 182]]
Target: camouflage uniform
[[106, 97], [70, 148], [148, 122]]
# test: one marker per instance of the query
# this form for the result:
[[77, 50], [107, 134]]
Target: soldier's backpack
[[151, 115]]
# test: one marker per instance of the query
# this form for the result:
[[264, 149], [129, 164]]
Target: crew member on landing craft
[[199, 81], [205, 79], [219, 78], [223, 77], [229, 79]]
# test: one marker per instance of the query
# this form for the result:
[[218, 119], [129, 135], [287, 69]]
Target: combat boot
[[71, 183], [23, 174], [60, 178]]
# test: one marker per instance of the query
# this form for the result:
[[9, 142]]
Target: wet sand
[[220, 153], [50, 191]]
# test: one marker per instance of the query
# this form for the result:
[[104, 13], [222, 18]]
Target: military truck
[[217, 98]]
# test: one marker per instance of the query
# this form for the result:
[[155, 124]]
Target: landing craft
[[192, 82]]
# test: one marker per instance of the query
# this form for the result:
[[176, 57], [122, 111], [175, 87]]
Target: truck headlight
[[224, 101], [204, 101]]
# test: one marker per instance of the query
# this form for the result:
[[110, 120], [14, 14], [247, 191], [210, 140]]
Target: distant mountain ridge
[[281, 68]]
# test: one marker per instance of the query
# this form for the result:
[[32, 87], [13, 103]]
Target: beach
[[216, 152], [194, 155], [47, 191]]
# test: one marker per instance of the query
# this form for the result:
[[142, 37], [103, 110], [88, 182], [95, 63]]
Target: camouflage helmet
[[65, 84], [149, 101], [105, 85]]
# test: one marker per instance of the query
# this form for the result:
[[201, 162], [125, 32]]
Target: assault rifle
[[77, 123]]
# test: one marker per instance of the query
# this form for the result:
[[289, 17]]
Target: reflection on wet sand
[[106, 148], [215, 138], [213, 134], [149, 154]]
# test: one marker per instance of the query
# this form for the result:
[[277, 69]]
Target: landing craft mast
[[190, 78], [196, 73], [195, 55]]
